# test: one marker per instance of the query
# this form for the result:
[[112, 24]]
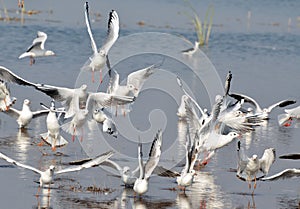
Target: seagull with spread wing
[[141, 184], [25, 115], [37, 48], [286, 118], [47, 176], [100, 57], [262, 113], [250, 166]]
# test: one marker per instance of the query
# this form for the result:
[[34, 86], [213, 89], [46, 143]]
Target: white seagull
[[52, 136], [252, 165], [37, 48], [286, 118], [47, 177], [141, 184], [108, 125], [187, 174], [25, 115], [5, 100], [100, 57], [259, 112], [191, 51], [287, 173], [135, 82]]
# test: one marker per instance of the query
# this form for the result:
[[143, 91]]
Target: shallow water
[[264, 58]]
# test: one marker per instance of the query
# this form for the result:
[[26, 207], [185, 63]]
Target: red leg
[[101, 76], [93, 76]]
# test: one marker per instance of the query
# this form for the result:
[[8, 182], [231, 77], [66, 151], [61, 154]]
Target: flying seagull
[[141, 184], [47, 176], [100, 57], [37, 48]]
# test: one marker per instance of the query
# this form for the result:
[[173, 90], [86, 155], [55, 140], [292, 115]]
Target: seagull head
[[254, 157], [51, 168], [26, 102], [126, 170], [49, 53], [83, 87]]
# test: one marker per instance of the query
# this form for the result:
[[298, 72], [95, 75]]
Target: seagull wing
[[248, 99], [227, 83], [154, 155], [107, 100], [8, 76], [287, 173], [38, 42], [13, 112], [40, 113], [112, 164], [141, 164], [138, 78], [191, 98], [242, 159], [282, 103], [113, 83], [88, 25], [4, 157], [94, 162], [112, 32], [267, 160]]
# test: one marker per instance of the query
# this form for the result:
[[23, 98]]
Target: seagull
[[252, 165], [286, 118], [135, 82], [141, 184], [5, 100], [262, 113], [75, 126], [37, 48], [25, 115], [100, 57], [53, 136], [108, 125], [70, 98], [187, 174], [192, 50], [287, 173], [47, 176]]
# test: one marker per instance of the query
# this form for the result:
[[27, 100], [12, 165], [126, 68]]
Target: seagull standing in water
[[100, 57], [25, 115], [141, 184], [252, 165], [191, 51], [47, 176], [52, 136], [37, 48]]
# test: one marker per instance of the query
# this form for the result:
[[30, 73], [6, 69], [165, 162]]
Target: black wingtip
[[287, 102], [239, 145]]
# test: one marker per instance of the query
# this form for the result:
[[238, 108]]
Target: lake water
[[262, 53]]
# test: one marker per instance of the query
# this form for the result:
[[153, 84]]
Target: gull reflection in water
[[22, 145], [203, 193], [43, 201]]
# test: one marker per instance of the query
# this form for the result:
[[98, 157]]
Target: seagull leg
[[6, 106], [254, 186], [41, 143], [93, 76], [101, 76], [38, 191], [74, 132], [81, 137], [249, 182]]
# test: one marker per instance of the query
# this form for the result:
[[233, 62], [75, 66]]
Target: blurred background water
[[262, 52]]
